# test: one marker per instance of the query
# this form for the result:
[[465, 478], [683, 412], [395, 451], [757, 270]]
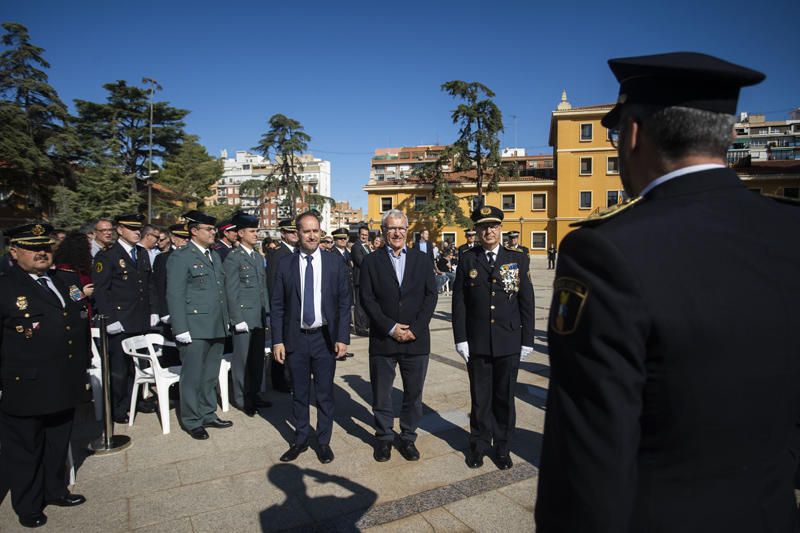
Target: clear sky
[[364, 75]]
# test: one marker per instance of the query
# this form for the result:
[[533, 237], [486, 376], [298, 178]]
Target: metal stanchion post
[[108, 443]]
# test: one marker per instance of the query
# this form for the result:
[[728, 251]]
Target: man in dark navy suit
[[398, 292], [310, 318], [675, 359]]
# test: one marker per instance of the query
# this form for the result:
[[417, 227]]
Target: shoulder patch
[[98, 266], [513, 249], [569, 299], [604, 214]]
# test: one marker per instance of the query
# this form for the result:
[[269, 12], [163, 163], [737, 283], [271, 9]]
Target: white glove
[[165, 319], [463, 350], [184, 338], [115, 328], [154, 320], [241, 327], [525, 353]]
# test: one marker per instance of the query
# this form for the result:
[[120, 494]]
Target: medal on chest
[[509, 275]]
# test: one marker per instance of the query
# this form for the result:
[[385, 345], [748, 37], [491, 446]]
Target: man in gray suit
[[248, 305], [199, 314]]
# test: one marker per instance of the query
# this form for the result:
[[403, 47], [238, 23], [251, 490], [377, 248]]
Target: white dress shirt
[[676, 173], [127, 247], [49, 284], [316, 261]]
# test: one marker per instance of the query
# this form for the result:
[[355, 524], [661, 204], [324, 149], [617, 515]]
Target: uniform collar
[[677, 173]]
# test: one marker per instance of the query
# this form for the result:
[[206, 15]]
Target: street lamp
[[153, 86]]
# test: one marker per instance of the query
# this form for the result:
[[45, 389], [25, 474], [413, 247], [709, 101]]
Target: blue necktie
[[308, 293], [133, 254]]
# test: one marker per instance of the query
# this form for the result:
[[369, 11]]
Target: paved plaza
[[234, 481]]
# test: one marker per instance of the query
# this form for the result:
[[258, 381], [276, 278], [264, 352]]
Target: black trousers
[[493, 414], [121, 374], [360, 319], [413, 369], [312, 360], [248, 366], [33, 458]]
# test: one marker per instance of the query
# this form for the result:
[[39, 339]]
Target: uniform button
[[195, 310], [140, 281], [17, 378], [70, 356], [221, 301], [118, 309], [26, 314], [492, 321], [68, 328], [69, 341], [492, 307], [492, 293], [493, 280]]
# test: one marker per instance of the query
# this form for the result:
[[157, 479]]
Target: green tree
[[480, 123], [37, 145], [443, 206], [189, 174]]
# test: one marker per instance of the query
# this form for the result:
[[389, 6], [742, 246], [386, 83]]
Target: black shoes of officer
[[68, 500], [33, 520], [293, 452], [383, 451], [218, 423], [124, 419], [408, 451], [503, 461], [474, 458], [199, 433], [324, 454]]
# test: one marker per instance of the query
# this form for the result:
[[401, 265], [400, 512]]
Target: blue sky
[[363, 75]]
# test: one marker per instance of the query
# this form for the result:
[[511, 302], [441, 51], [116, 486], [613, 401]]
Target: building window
[[586, 132], [449, 237], [419, 202], [612, 198], [586, 200], [475, 202], [386, 204], [509, 202], [538, 240], [539, 201], [586, 166], [612, 165], [791, 192]]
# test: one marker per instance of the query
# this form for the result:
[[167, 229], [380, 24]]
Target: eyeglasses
[[613, 137], [210, 229], [489, 225], [398, 229], [104, 230]]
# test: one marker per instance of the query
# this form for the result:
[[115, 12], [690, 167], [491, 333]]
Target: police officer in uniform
[[122, 292], [44, 335], [674, 401], [248, 307], [513, 242], [493, 325], [227, 238], [198, 311], [470, 235]]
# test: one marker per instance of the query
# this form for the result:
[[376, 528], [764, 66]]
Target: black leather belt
[[311, 330]]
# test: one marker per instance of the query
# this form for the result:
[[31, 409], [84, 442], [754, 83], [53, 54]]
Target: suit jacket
[[387, 303], [286, 305], [246, 288], [196, 297], [122, 289], [358, 253], [159, 282], [493, 308], [428, 253], [273, 259], [44, 347], [222, 249], [674, 401]]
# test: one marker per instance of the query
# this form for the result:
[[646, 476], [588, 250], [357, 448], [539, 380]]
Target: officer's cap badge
[[485, 211], [473, 273], [569, 298], [38, 230], [98, 266], [22, 303]]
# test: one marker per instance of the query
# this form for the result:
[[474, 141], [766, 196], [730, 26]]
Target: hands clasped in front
[[403, 333], [279, 351]]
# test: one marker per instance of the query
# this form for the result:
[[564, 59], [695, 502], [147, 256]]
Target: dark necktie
[[43, 282], [133, 255], [490, 257], [308, 293], [208, 256]]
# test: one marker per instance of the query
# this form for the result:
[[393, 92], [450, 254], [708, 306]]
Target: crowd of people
[[665, 412]]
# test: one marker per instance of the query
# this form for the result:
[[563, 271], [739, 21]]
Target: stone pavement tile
[[443, 522], [268, 486], [180, 502], [91, 517], [408, 506], [223, 464], [128, 484], [492, 512], [412, 524], [95, 466], [252, 517], [166, 449], [522, 492], [182, 525], [494, 479]]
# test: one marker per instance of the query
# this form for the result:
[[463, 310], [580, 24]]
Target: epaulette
[[513, 249], [602, 215], [783, 199]]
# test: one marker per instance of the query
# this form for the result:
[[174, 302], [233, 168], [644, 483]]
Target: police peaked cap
[[243, 220], [199, 218], [226, 225], [132, 221], [487, 213], [340, 232], [34, 236], [685, 79], [180, 230], [513, 234], [287, 224]]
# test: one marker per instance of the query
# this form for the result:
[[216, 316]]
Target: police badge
[[473, 273], [75, 293], [121, 263], [22, 303]]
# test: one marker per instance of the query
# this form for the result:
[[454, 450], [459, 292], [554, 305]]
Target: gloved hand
[[463, 350], [165, 319], [115, 328], [526, 352], [184, 338], [154, 320], [241, 327]]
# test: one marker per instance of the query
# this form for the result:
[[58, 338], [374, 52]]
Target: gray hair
[[680, 131], [393, 213]]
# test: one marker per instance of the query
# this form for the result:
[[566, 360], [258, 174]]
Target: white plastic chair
[[224, 369], [96, 376], [144, 347]]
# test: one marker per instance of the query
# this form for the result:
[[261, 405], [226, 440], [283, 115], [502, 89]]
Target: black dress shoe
[[33, 520], [409, 451], [146, 407], [262, 404], [124, 419], [199, 433], [217, 423], [503, 461], [383, 451], [293, 452], [474, 459], [249, 411], [324, 454], [68, 500]]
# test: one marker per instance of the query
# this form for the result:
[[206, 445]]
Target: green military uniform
[[248, 302], [197, 304]]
